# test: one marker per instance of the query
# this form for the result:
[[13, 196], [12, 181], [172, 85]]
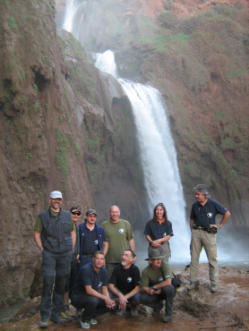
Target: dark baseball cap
[[91, 211]]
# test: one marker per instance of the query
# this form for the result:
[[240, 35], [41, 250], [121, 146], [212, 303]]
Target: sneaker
[[93, 321], [134, 312], [85, 324], [120, 312], [43, 323], [167, 318]]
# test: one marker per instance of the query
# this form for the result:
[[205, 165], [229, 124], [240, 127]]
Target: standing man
[[125, 283], [55, 237], [91, 291], [203, 227], [120, 237], [92, 238], [75, 264], [157, 285]]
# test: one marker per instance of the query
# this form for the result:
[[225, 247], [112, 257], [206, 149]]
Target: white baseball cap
[[55, 195]]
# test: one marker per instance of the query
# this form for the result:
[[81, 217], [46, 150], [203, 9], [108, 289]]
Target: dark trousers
[[93, 306], [167, 293], [56, 271]]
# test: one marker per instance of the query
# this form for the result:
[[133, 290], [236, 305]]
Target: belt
[[195, 227]]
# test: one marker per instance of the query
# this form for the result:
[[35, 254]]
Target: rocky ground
[[193, 310]]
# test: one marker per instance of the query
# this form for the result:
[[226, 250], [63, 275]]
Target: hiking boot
[[93, 321], [167, 318], [43, 323], [84, 324]]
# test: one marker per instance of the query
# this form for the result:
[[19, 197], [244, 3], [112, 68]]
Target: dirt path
[[228, 309]]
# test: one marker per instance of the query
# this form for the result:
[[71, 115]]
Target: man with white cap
[[55, 236]]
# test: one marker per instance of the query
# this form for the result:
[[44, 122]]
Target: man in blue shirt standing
[[91, 291], [204, 229]]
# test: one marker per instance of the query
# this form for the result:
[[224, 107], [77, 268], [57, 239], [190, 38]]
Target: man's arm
[[37, 237], [105, 247], [104, 295], [191, 223], [73, 236], [223, 220], [132, 244]]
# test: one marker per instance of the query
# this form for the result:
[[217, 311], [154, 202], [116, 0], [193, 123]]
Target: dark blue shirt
[[156, 230], [91, 240], [88, 276], [205, 215]]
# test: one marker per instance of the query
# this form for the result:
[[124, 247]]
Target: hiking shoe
[[167, 318], [43, 323], [85, 324], [120, 312], [134, 312], [93, 321], [213, 288], [65, 316]]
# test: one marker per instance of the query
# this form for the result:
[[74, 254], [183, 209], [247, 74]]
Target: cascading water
[[158, 154]]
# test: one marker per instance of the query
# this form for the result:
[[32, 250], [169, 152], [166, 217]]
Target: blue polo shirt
[[205, 215], [156, 230], [88, 276]]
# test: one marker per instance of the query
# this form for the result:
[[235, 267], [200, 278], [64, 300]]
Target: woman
[[158, 232]]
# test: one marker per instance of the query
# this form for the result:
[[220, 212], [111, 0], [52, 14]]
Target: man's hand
[[122, 301], [109, 303]]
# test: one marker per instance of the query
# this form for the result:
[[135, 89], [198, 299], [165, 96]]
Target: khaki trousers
[[201, 238]]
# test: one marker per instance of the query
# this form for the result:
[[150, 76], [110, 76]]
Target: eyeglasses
[[78, 213]]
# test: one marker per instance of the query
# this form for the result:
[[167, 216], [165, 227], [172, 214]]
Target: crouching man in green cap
[[156, 285]]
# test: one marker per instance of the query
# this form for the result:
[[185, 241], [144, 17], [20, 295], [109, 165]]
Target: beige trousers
[[201, 238]]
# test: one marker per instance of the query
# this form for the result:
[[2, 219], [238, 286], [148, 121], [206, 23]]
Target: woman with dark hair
[[158, 232]]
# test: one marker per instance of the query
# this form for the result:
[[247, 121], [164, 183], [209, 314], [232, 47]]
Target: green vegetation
[[12, 23], [62, 150]]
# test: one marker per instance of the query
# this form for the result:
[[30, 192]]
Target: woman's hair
[[164, 208]]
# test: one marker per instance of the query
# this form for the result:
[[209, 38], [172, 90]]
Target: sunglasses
[[78, 213]]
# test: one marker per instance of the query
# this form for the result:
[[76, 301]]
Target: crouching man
[[91, 291], [156, 285], [125, 283]]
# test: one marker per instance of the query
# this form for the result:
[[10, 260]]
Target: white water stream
[[158, 154]]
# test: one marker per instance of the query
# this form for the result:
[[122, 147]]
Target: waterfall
[[158, 154]]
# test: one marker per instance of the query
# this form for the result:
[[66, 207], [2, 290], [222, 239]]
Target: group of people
[[94, 265]]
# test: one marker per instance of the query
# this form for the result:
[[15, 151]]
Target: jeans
[[154, 301], [56, 271], [92, 306]]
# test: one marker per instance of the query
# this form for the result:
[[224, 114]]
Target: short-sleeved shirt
[[156, 230], [88, 276], [152, 276], [125, 280], [205, 215], [118, 235], [90, 243], [38, 223]]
